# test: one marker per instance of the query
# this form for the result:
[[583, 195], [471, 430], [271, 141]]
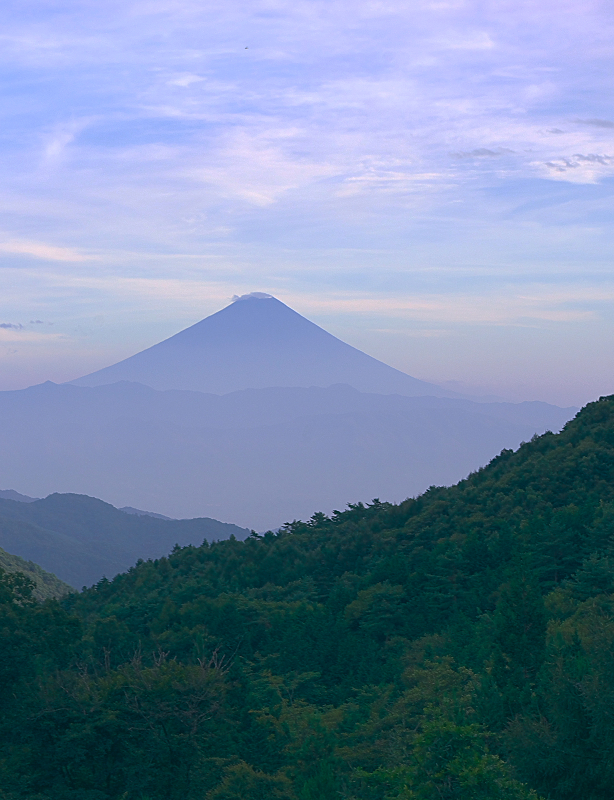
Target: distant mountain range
[[81, 539], [140, 513], [258, 457], [11, 494], [255, 343]]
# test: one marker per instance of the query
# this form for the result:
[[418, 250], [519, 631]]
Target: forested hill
[[80, 538], [458, 645], [46, 584]]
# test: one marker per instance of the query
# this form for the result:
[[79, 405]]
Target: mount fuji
[[258, 342]]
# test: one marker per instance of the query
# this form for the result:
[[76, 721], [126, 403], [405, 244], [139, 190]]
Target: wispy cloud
[[597, 123], [483, 152], [187, 79], [524, 305], [581, 168], [46, 252]]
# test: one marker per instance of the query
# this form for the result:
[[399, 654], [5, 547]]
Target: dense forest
[[458, 645]]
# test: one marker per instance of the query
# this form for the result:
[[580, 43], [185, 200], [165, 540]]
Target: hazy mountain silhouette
[[140, 513], [11, 494], [258, 342], [257, 457], [81, 539]]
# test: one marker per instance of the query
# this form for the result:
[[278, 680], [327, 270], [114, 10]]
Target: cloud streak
[[597, 123], [47, 252]]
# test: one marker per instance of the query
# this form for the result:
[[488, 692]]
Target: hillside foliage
[[457, 646], [45, 585]]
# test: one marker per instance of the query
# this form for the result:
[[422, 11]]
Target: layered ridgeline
[[458, 645], [81, 539], [256, 457]]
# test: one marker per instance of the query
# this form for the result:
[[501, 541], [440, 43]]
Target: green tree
[[243, 782], [452, 762]]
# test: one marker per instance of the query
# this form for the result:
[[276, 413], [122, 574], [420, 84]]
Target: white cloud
[[260, 168], [461, 40], [579, 168], [185, 80], [8, 335], [522, 305], [47, 252]]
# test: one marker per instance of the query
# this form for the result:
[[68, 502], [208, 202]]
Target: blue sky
[[431, 181]]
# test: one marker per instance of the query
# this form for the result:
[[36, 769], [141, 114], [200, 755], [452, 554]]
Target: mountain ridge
[[11, 494], [80, 539]]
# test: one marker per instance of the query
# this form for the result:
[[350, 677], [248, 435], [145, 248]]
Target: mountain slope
[[81, 539], [257, 342], [257, 457], [46, 585], [457, 645]]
